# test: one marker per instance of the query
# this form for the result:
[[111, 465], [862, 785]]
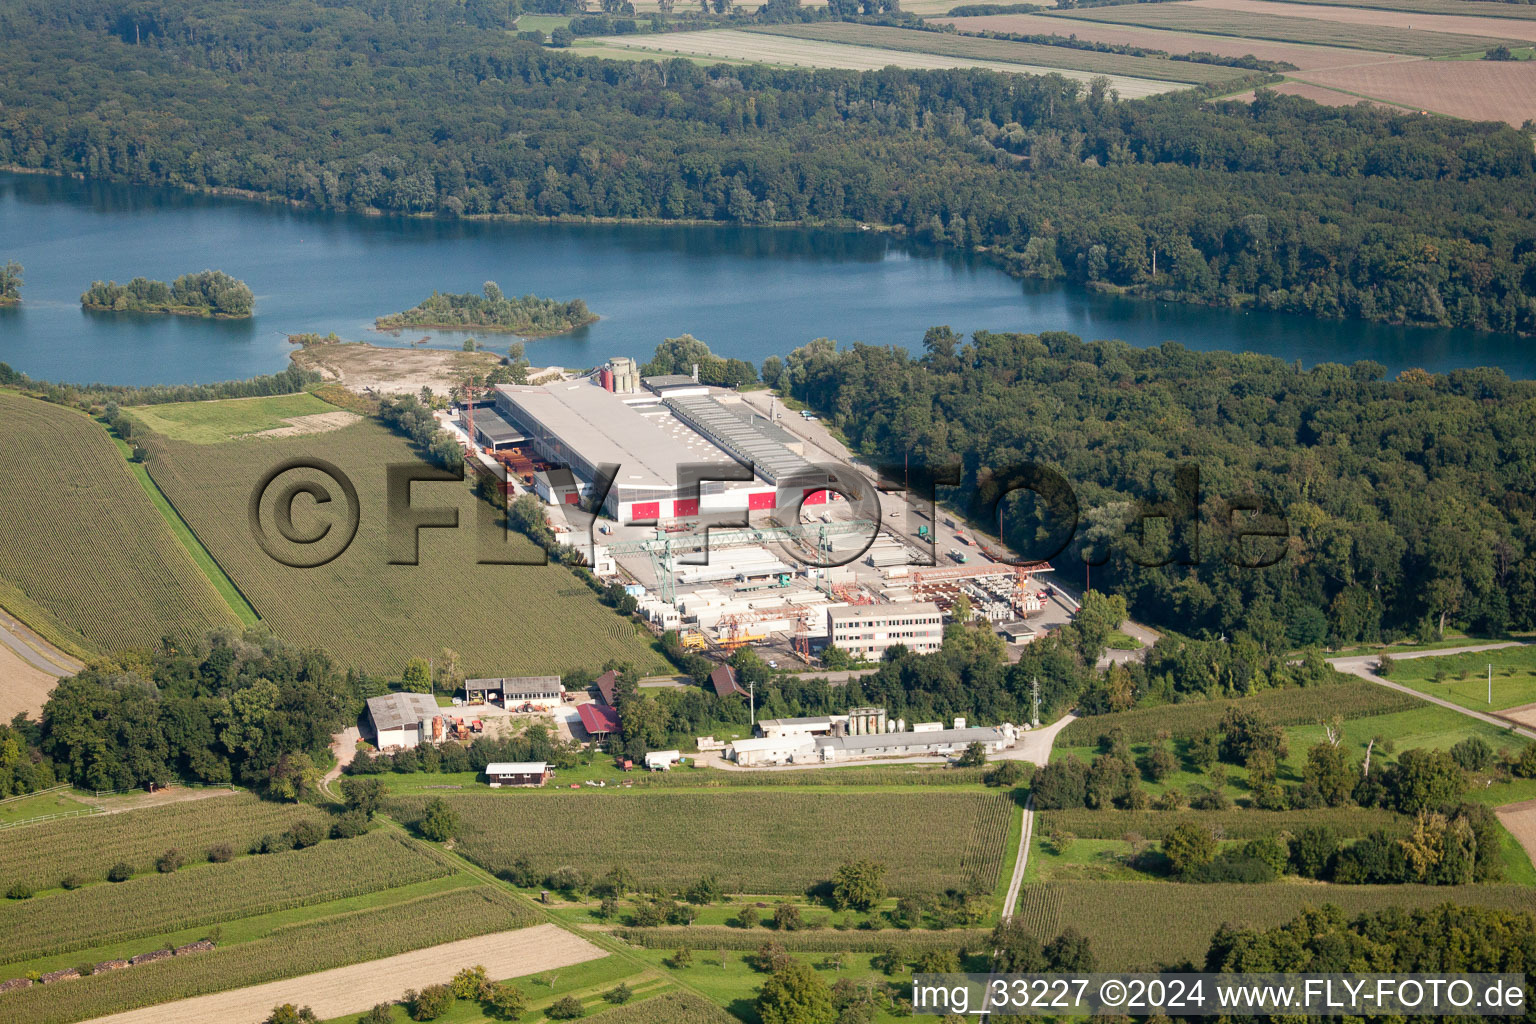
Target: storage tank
[[606, 376]]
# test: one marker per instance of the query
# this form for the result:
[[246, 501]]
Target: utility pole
[[1490, 684], [752, 700], [1034, 692]]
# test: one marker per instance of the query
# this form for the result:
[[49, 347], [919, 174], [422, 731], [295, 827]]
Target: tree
[[417, 677], [508, 1002], [1007, 774], [786, 918], [683, 957], [438, 823], [1473, 753], [471, 983], [1189, 846], [290, 1014], [619, 995], [859, 885], [1424, 779], [975, 754], [561, 36], [1329, 772], [1015, 948], [1312, 851], [361, 793], [795, 995], [10, 281], [381, 1013], [1161, 763], [566, 1007], [430, 1003], [293, 777], [747, 916], [1099, 616]]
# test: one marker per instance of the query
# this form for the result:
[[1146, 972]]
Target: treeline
[[244, 709], [406, 415], [492, 310], [1401, 506], [287, 382], [208, 293], [1280, 203], [681, 355]]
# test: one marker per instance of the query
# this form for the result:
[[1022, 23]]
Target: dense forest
[[1402, 506], [432, 108], [209, 293], [493, 311]]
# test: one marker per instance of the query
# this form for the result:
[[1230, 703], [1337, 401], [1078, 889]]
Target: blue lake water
[[747, 292]]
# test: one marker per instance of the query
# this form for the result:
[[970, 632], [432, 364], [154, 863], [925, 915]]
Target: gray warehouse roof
[[937, 738], [669, 380], [515, 684], [604, 429], [493, 428], [393, 710], [747, 442]]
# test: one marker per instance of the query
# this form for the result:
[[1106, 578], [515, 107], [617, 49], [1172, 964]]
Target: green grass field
[[1464, 677], [753, 841], [225, 419], [89, 562], [1299, 29], [502, 619], [38, 805], [1036, 54], [1138, 924], [545, 23]]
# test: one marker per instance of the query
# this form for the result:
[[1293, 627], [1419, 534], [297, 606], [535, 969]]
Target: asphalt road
[[1363, 665]]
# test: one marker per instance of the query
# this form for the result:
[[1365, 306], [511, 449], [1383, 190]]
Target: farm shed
[[605, 684], [517, 773], [515, 691], [723, 679], [772, 750], [599, 721], [398, 718]]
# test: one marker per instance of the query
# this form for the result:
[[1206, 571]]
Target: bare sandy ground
[[23, 687], [363, 367], [1525, 714], [1520, 819], [1498, 28], [1299, 54], [351, 989], [314, 423]]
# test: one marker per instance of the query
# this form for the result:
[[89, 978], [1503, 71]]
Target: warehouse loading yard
[[796, 557]]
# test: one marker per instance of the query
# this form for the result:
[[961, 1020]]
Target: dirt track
[[23, 687], [350, 989]]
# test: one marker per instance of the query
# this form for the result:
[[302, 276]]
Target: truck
[[922, 531], [957, 555]]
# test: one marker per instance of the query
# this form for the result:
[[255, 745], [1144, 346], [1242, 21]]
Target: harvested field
[[1374, 20], [87, 559], [317, 423], [812, 833], [1525, 714], [1141, 924], [349, 989], [1479, 8], [23, 686], [1478, 90], [1034, 54], [1317, 94], [362, 367], [1304, 57], [1288, 26], [1520, 819], [367, 611], [762, 48]]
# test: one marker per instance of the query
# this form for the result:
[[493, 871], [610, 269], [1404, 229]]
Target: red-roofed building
[[599, 721], [605, 685], [723, 679]]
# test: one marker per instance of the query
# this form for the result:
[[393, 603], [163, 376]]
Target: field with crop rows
[[786, 51], [209, 893], [528, 619], [1171, 42], [40, 855], [1478, 8], [1143, 924], [297, 949], [83, 545], [1040, 55], [1191, 16], [754, 842], [667, 1008], [1237, 824], [1474, 89], [910, 942], [1354, 698], [1459, 23]]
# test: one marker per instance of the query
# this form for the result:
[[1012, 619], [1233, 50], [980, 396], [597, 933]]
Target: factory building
[[401, 719], [790, 746], [541, 692], [866, 631]]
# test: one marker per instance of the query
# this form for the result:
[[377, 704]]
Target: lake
[[747, 292]]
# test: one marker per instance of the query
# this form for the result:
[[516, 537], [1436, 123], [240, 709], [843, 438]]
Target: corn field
[[285, 952], [42, 855], [89, 561], [206, 894], [753, 841], [367, 612], [1348, 822]]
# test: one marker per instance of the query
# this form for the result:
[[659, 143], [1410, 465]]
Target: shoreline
[[197, 311], [379, 325]]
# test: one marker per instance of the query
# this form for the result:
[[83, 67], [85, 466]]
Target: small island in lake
[[211, 293], [493, 311], [10, 283]]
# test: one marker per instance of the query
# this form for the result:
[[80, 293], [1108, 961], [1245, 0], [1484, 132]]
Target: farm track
[[1360, 665], [344, 990]]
